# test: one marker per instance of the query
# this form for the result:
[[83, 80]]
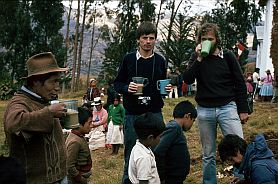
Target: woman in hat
[[266, 91], [92, 92], [99, 124]]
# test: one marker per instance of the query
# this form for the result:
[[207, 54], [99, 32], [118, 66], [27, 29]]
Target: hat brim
[[47, 71], [96, 104]]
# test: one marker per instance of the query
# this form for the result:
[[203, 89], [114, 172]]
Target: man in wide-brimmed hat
[[31, 123]]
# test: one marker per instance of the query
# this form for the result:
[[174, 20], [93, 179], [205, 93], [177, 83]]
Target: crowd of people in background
[[154, 151]]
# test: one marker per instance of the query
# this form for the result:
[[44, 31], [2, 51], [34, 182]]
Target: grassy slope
[[108, 169]]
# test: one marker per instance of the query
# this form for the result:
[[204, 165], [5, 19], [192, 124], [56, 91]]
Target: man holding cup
[[221, 94], [147, 64], [32, 126]]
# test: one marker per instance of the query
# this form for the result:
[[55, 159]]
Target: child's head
[[149, 126], [232, 148], [85, 119], [186, 112], [117, 99]]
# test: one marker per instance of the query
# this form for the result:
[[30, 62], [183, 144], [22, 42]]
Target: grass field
[[107, 169]]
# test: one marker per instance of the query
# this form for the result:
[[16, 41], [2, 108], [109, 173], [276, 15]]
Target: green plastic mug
[[206, 46]]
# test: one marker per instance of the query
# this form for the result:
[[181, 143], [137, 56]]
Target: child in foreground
[[255, 160], [79, 160], [142, 166], [171, 154]]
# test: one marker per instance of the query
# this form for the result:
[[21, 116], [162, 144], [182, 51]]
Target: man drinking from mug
[[221, 94], [31, 124]]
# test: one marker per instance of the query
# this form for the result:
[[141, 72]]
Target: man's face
[[146, 42], [211, 37], [49, 89]]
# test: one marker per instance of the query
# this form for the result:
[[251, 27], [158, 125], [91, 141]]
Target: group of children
[[160, 154]]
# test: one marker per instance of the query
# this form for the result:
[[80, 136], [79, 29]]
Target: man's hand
[[132, 87], [168, 88], [198, 52], [59, 110], [243, 117]]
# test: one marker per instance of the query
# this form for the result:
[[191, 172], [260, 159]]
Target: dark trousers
[[129, 141]]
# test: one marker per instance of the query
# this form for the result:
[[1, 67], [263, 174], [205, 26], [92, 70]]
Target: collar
[[76, 132], [147, 150], [138, 55], [23, 88]]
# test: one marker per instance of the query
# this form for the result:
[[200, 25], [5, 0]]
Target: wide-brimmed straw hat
[[41, 64], [97, 101]]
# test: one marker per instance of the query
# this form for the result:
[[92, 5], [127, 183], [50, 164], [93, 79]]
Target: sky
[[198, 6]]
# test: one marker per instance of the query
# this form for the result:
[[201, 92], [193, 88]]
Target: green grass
[[108, 169]]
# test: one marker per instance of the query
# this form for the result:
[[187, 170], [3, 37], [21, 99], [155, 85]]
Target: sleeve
[[192, 70], [20, 118], [160, 151], [120, 82], [143, 168], [261, 174], [104, 117], [240, 86], [72, 153]]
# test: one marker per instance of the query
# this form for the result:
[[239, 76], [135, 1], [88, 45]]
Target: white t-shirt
[[255, 77], [142, 165]]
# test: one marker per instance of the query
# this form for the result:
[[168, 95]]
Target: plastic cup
[[161, 84], [206, 46]]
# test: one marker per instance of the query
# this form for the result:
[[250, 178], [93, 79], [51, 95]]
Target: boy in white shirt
[[142, 166]]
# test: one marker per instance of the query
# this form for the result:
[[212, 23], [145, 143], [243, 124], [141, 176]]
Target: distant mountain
[[98, 52]]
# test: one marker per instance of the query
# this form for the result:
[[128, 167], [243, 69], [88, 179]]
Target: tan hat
[[42, 63]]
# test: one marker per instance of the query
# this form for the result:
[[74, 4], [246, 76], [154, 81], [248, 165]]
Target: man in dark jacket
[[256, 161], [171, 154]]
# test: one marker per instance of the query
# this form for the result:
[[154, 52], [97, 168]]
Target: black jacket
[[171, 154]]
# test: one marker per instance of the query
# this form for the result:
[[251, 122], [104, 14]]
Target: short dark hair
[[83, 115], [209, 27], [230, 145], [184, 107], [148, 124], [146, 28]]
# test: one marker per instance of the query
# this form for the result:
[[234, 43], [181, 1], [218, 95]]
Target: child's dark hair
[[83, 115], [117, 96], [183, 108], [148, 124], [230, 145], [146, 28]]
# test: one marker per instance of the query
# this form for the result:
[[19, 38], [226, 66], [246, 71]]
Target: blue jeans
[[129, 141], [208, 118]]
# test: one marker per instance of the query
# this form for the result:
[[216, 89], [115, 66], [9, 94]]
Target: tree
[[27, 28], [181, 44], [77, 82], [235, 20], [72, 89]]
